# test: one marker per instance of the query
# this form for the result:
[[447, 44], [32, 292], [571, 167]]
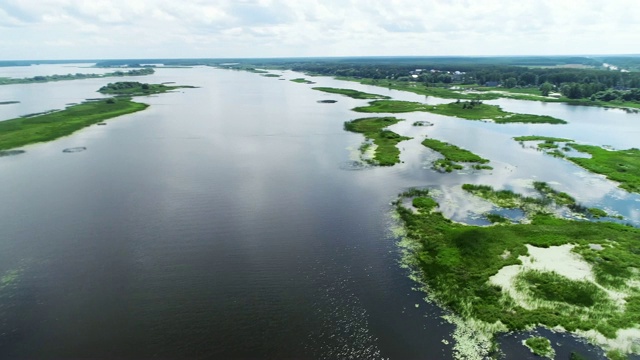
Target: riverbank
[[485, 93]]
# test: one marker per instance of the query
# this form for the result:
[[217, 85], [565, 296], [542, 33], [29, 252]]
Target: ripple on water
[[344, 328]]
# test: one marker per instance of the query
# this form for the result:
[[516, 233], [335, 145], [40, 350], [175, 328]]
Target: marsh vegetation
[[385, 153], [46, 127], [465, 269], [470, 110], [454, 155], [355, 94], [622, 166]]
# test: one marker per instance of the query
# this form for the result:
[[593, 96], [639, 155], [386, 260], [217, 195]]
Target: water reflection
[[221, 221]]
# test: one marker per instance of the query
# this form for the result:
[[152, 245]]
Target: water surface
[[223, 222]]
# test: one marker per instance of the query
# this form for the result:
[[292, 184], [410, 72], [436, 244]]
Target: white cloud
[[261, 28]]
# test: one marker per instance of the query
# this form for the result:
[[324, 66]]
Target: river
[[227, 221]]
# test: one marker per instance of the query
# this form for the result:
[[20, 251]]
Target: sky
[[113, 29]]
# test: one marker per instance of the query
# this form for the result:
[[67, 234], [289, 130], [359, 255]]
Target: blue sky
[[74, 29]]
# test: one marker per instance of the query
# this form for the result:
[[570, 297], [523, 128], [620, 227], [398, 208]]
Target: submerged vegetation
[[48, 78], [454, 155], [622, 166], [351, 93], [27, 130], [504, 277], [470, 110], [385, 153]]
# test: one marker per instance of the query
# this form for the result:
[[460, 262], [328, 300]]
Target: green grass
[[452, 155], [421, 89], [386, 152], [560, 198], [505, 198], [466, 110], [553, 287], [49, 78], [531, 205], [457, 260], [351, 93], [134, 88], [541, 138], [529, 94], [302, 81], [22, 131], [497, 219], [540, 346], [597, 213], [622, 166], [424, 203], [453, 152]]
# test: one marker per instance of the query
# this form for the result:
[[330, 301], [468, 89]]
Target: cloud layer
[[61, 29]]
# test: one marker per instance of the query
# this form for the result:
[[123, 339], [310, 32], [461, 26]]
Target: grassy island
[[470, 110], [40, 128], [302, 81], [580, 276], [540, 346], [454, 155], [385, 153], [134, 88], [622, 166], [351, 93], [78, 76]]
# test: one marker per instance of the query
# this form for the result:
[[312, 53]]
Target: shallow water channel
[[227, 221]]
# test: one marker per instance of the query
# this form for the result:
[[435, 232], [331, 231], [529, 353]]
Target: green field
[[28, 130], [351, 93], [470, 110], [386, 152], [456, 262]]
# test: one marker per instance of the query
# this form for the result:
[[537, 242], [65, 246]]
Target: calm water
[[223, 222]]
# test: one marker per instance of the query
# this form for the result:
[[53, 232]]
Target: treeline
[[77, 76], [508, 76], [122, 85]]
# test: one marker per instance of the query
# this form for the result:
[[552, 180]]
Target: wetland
[[241, 220]]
